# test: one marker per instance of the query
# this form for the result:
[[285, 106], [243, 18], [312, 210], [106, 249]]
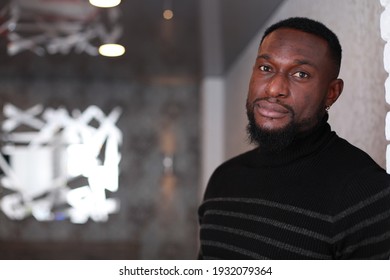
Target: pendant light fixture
[[105, 3]]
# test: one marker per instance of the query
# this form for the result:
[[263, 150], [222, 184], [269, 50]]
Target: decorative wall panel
[[156, 218]]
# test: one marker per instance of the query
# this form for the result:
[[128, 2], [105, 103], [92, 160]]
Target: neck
[[278, 141], [302, 144]]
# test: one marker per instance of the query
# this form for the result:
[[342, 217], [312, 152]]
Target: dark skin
[[293, 80]]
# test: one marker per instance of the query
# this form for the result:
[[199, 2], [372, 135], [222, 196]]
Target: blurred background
[[180, 88]]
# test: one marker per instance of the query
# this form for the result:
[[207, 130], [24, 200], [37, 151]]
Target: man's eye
[[265, 68], [301, 75]]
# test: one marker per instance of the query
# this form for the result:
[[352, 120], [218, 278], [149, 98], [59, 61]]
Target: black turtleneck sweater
[[321, 198]]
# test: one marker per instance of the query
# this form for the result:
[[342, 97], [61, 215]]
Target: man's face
[[292, 81]]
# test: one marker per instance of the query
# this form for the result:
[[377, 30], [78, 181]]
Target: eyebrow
[[296, 61], [264, 56]]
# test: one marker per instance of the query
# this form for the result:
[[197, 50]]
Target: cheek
[[256, 88], [307, 105]]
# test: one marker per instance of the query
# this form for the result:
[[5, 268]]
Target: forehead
[[286, 41]]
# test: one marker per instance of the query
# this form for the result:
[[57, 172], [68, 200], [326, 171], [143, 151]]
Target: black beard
[[270, 140], [276, 141]]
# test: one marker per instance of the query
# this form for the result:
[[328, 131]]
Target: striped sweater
[[321, 198]]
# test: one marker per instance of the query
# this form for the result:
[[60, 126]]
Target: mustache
[[252, 105]]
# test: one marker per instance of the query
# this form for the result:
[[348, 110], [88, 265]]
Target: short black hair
[[313, 27]]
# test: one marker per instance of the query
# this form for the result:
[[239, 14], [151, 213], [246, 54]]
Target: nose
[[277, 86]]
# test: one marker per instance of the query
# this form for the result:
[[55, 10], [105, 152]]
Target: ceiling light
[[111, 50], [168, 14], [54, 28], [105, 3]]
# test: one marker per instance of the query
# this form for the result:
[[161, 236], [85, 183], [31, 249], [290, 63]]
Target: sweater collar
[[303, 145]]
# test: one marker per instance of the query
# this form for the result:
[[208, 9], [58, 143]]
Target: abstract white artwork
[[58, 26], [45, 151]]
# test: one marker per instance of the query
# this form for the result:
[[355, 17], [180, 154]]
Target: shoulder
[[349, 158], [237, 161], [354, 169], [227, 173], [235, 164], [360, 177]]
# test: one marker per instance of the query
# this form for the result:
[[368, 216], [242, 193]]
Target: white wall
[[359, 114]]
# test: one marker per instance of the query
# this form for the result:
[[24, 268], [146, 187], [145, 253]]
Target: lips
[[271, 110]]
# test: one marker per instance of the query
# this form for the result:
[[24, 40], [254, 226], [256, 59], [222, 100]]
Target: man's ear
[[334, 91]]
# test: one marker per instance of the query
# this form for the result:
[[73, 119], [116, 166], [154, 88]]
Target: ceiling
[[156, 47]]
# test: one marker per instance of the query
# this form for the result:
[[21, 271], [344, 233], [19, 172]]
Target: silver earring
[[327, 108]]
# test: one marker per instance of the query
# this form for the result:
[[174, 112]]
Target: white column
[[213, 126], [385, 33]]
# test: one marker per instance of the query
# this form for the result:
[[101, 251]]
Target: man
[[304, 192]]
